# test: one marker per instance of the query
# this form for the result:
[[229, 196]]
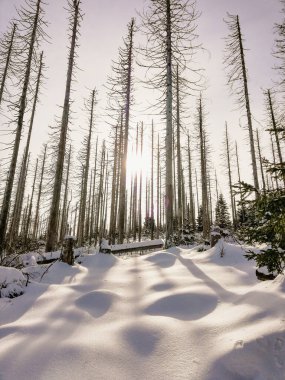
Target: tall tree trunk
[[135, 192], [8, 60], [20, 123], [158, 209], [140, 192], [230, 176], [122, 200], [152, 183], [82, 221], [260, 161], [93, 195], [179, 165], [206, 222], [64, 206], [169, 130], [191, 201], [29, 214], [274, 127], [22, 179], [248, 111], [113, 211], [54, 210], [36, 221]]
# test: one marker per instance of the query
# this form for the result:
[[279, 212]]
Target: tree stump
[[215, 236], [68, 251]]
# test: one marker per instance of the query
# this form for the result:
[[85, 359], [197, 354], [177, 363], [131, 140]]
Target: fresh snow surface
[[12, 282], [179, 314]]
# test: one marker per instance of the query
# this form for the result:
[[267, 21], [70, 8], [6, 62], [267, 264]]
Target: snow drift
[[180, 314]]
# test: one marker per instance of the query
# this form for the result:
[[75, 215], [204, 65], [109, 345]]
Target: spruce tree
[[222, 213]]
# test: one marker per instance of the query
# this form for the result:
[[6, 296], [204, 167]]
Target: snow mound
[[12, 282], [99, 261], [96, 303], [279, 283], [183, 306], [162, 259], [225, 254], [60, 273], [257, 359]]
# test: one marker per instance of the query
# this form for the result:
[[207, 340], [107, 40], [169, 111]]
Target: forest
[[143, 183]]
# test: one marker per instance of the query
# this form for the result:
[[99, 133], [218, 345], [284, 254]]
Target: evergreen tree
[[267, 226], [222, 213]]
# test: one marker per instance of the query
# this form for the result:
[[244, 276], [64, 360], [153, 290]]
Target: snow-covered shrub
[[12, 282]]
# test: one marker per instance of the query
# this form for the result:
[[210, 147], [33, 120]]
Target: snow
[[176, 314], [12, 282]]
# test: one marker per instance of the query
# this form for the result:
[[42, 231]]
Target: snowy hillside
[[179, 314]]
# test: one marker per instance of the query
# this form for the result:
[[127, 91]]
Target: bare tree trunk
[[179, 165], [22, 179], [197, 192], [122, 200], [36, 221], [158, 219], [100, 195], [152, 183], [135, 192], [64, 211], [274, 162], [87, 219], [54, 210], [113, 210], [20, 123], [140, 193], [82, 220], [260, 161], [216, 183], [29, 214], [230, 176], [274, 127], [248, 111], [191, 201], [169, 131], [93, 195], [8, 60], [206, 222]]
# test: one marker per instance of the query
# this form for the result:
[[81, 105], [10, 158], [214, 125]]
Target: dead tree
[[169, 26], [260, 161], [191, 195], [29, 213], [86, 164], [63, 226], [74, 23], [237, 80], [152, 184], [229, 170], [203, 165], [126, 67], [37, 212], [140, 193], [6, 49], [32, 20], [17, 210]]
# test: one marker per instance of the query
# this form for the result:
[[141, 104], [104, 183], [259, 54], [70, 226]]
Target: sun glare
[[137, 163]]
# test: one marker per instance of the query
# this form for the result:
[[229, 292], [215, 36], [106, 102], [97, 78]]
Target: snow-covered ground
[[180, 314]]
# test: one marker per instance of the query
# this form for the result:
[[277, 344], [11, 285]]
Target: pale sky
[[103, 27]]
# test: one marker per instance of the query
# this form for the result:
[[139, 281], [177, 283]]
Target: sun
[[138, 163]]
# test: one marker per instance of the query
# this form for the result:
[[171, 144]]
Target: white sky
[[103, 27]]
